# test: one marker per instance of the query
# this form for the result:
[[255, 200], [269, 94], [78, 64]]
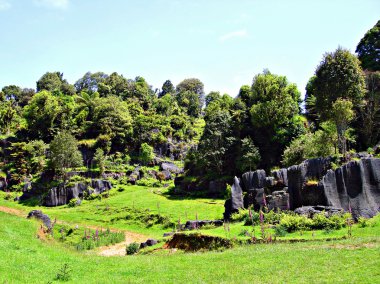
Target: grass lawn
[[111, 212], [26, 259]]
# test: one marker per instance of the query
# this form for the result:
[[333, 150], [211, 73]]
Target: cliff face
[[62, 195], [355, 186]]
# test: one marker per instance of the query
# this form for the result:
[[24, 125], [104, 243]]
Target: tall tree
[[368, 49], [274, 115], [342, 114], [339, 75], [167, 88], [64, 154], [90, 81], [53, 81]]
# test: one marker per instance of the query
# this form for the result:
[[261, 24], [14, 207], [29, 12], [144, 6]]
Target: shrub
[[150, 182], [74, 202], [132, 248], [63, 273], [293, 223], [279, 231]]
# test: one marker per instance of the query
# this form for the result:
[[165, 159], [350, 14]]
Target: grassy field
[[112, 212], [27, 259]]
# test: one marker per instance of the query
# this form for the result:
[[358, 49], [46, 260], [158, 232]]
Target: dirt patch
[[119, 249], [13, 211]]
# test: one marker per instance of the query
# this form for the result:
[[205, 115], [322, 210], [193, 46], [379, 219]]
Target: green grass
[[111, 212], [26, 259]]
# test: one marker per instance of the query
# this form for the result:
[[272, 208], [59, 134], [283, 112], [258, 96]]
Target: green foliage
[[249, 157], [73, 203], [321, 143], [64, 273], [146, 154], [64, 153], [339, 75], [132, 248], [368, 49], [100, 159]]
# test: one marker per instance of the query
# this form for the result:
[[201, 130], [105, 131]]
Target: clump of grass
[[93, 239]]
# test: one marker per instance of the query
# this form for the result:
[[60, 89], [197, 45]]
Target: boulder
[[278, 200], [42, 217], [309, 211], [236, 196], [148, 243], [191, 225], [167, 166]]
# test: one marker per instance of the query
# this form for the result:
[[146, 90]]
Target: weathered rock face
[[166, 166], [236, 196], [62, 195], [40, 216], [3, 184], [310, 211], [299, 175], [192, 225], [355, 185], [253, 180]]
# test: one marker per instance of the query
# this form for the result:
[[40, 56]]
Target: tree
[[167, 88], [249, 157], [90, 81], [146, 154], [342, 114], [64, 154], [12, 92], [112, 118], [53, 81], [274, 115], [9, 117], [368, 122], [368, 49], [190, 96], [100, 159], [339, 75], [215, 143]]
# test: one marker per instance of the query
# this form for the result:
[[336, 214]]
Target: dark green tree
[[64, 154], [167, 88], [339, 75], [368, 49]]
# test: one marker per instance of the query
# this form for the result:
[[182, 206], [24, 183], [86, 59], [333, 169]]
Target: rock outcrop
[[42, 217], [62, 194], [354, 187]]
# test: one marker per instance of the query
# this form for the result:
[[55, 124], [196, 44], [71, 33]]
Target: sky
[[224, 43]]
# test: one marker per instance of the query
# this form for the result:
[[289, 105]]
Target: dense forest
[[105, 122]]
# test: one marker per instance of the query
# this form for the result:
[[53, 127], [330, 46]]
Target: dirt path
[[13, 211], [112, 250]]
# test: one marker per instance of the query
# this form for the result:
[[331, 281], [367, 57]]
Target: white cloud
[[57, 4], [235, 34], [4, 5]]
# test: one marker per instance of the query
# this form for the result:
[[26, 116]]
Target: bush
[[74, 202], [132, 248], [293, 223], [279, 231], [150, 182]]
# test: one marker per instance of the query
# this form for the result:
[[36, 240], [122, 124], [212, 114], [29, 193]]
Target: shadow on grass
[[175, 193]]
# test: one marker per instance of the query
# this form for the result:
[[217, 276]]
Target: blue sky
[[223, 43]]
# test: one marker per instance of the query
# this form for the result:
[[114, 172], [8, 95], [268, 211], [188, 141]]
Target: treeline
[[120, 119], [264, 126]]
